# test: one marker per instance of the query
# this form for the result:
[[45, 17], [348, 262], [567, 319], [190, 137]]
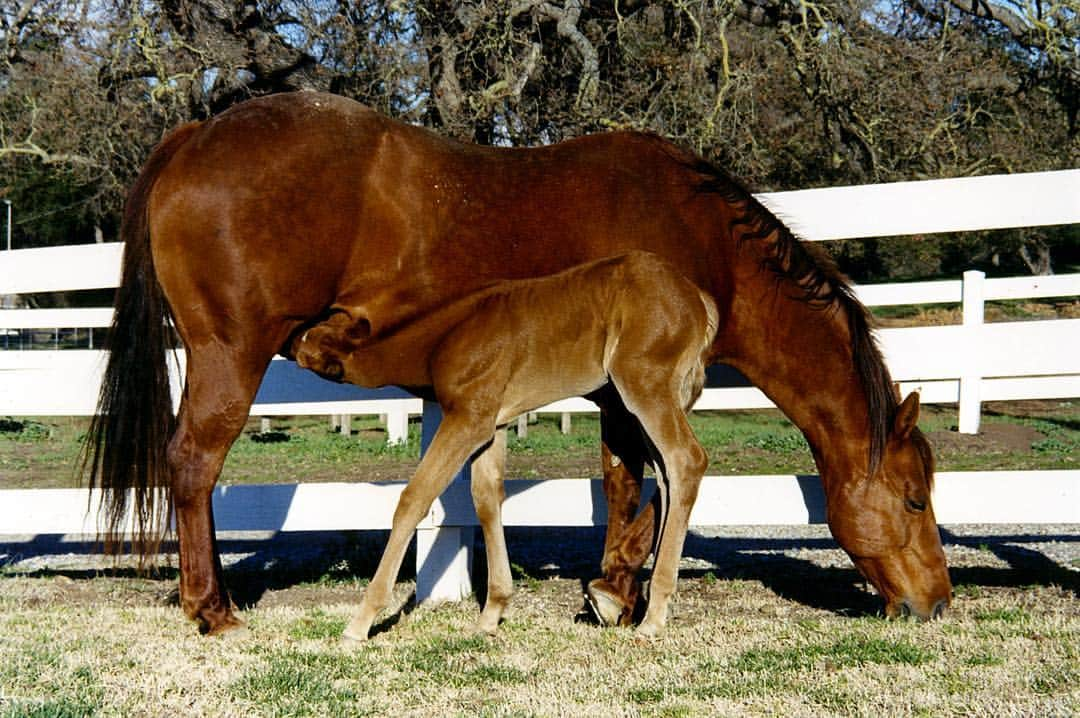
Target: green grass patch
[[306, 683], [524, 579], [318, 625], [764, 671], [848, 651], [24, 429], [1011, 614], [39, 678], [457, 661]]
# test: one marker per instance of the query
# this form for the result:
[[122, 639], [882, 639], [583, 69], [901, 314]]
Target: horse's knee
[[194, 465], [697, 461]]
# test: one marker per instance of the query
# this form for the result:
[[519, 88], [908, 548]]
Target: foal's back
[[530, 342]]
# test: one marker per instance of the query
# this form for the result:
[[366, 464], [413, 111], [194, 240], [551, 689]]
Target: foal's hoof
[[647, 634], [605, 604], [353, 640], [486, 627]]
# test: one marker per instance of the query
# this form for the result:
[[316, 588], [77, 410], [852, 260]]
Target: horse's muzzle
[[907, 610]]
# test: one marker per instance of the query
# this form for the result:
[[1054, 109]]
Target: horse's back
[[260, 204], [288, 206]]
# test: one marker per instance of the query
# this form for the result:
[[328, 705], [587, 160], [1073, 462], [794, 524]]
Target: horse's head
[[886, 524]]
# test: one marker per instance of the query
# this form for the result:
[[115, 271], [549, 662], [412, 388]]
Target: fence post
[[443, 553], [397, 426], [970, 381]]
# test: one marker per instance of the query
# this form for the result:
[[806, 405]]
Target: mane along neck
[[816, 297]]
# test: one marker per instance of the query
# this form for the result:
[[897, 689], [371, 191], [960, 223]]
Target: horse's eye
[[915, 506]]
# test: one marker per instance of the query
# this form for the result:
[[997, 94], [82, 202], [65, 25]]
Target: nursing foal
[[631, 320]]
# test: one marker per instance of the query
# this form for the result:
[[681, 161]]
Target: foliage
[[783, 93]]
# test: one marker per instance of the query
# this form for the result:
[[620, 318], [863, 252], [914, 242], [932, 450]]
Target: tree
[[782, 93]]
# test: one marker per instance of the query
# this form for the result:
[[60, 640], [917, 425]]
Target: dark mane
[[821, 285]]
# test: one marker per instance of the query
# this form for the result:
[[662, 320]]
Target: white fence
[[967, 363]]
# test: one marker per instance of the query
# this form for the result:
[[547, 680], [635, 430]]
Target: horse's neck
[[801, 357]]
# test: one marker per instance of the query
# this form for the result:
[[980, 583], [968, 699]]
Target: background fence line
[[969, 363]]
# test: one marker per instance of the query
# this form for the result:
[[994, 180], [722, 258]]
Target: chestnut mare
[[631, 321], [282, 212]]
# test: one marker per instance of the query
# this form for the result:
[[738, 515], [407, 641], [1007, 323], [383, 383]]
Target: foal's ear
[[907, 416]]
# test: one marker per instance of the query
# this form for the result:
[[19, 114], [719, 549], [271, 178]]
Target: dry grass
[[734, 647]]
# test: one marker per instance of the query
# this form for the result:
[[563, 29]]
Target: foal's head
[[886, 524]]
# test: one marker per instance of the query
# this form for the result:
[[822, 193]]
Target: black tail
[[125, 450]]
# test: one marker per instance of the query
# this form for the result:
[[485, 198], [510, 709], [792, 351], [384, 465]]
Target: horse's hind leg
[[488, 472], [455, 441], [629, 540], [217, 396]]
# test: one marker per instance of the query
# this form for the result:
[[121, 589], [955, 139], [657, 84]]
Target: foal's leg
[[683, 463], [455, 441], [488, 472], [218, 391]]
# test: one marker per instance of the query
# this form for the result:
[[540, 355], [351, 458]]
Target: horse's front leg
[[628, 540], [454, 442]]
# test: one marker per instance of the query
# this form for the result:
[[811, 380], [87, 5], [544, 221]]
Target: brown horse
[[631, 321], [256, 225]]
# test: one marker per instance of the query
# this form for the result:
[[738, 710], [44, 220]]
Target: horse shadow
[[293, 559]]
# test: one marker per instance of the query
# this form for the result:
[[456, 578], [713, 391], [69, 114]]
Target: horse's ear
[[907, 416]]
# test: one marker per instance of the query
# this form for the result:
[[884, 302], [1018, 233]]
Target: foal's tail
[[125, 449], [695, 381]]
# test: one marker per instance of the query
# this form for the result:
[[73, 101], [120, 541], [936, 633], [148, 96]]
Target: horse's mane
[[820, 284]]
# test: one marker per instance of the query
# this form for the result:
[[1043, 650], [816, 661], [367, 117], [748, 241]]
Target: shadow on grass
[[285, 561]]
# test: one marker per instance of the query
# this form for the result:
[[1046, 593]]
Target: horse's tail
[[125, 450]]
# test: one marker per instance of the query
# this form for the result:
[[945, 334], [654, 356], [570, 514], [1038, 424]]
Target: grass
[[41, 452], [725, 653]]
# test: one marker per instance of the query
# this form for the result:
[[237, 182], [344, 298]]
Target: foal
[[631, 320]]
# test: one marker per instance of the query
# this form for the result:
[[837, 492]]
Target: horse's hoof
[[234, 629], [604, 603]]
